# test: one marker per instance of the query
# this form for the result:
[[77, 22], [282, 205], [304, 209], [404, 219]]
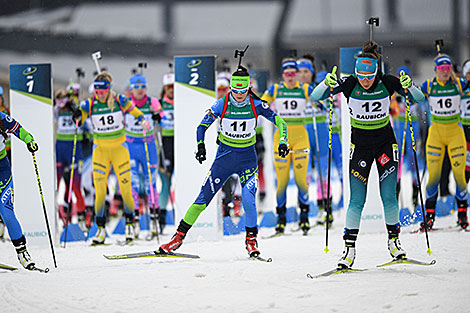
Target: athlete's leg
[[387, 158], [435, 149], [360, 162]]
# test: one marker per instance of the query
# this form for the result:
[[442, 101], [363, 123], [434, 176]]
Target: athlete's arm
[[263, 109], [13, 127], [392, 83], [211, 115]]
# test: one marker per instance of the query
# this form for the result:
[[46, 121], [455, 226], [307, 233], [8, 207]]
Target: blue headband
[[137, 79], [101, 84], [442, 60], [289, 64], [368, 65], [304, 63]]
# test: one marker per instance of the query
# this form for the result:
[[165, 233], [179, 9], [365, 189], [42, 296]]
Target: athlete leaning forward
[[237, 111]]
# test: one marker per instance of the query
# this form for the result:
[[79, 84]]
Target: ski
[[335, 271], [7, 267], [125, 242], [150, 254], [34, 268], [407, 261], [258, 258], [444, 229], [99, 244], [275, 235]]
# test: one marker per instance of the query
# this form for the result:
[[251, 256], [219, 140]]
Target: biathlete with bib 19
[[237, 111], [289, 99], [368, 93]]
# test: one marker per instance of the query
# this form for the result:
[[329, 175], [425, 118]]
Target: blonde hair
[[111, 95], [453, 76], [61, 93]]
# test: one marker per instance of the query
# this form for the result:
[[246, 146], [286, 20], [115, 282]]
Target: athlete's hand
[[331, 79], [77, 115], [405, 80], [32, 146], [145, 124], [283, 150], [156, 117], [201, 152]]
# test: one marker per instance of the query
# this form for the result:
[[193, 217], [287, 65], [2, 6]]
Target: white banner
[[194, 94], [31, 106]]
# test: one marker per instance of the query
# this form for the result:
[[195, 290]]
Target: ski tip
[[46, 270], [269, 260], [432, 262], [309, 276]]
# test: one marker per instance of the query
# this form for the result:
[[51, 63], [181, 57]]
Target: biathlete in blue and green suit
[[9, 126], [237, 112]]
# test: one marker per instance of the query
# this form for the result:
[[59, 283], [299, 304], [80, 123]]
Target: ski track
[[225, 280]]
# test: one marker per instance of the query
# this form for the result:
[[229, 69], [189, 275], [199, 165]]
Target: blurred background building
[[65, 33]]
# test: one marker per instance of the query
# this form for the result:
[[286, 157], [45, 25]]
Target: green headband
[[240, 82]]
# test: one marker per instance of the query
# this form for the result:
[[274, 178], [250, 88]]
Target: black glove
[[32, 146], [156, 117], [201, 152], [77, 115], [283, 150]]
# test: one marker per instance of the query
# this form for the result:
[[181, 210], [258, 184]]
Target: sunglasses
[[139, 86], [290, 74], [365, 76], [239, 90], [444, 67], [101, 91]]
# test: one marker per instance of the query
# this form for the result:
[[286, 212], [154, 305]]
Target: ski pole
[[71, 181], [152, 196], [408, 115], [317, 150], [400, 168], [330, 130], [160, 143], [44, 208]]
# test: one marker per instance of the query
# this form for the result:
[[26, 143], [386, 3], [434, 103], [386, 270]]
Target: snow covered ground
[[225, 280]]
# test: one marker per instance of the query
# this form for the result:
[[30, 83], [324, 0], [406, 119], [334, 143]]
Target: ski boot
[[304, 223], [153, 224], [251, 243], [281, 220], [162, 219], [429, 222], [129, 228], [82, 221], [463, 221], [2, 230], [22, 253], [99, 237], [177, 239], [136, 224], [281, 225], [349, 252], [394, 245]]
